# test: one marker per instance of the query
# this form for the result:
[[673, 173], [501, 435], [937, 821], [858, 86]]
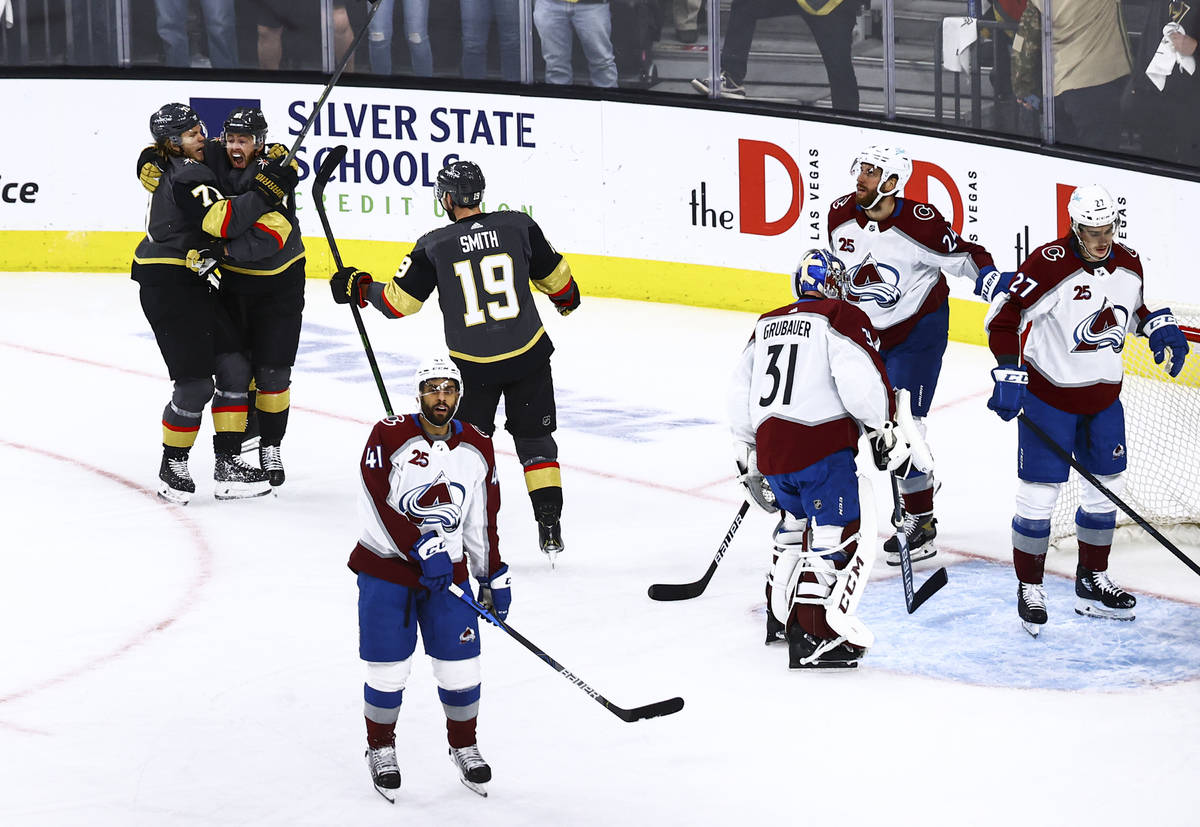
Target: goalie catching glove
[[756, 485]]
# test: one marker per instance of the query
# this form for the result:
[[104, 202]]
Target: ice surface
[[198, 665]]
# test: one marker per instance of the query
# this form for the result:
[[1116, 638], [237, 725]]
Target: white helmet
[[893, 161], [1091, 206], [437, 367]]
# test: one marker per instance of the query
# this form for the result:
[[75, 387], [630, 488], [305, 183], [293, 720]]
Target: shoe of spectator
[[729, 89]]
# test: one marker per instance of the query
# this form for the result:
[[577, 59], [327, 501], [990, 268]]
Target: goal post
[[1162, 438]]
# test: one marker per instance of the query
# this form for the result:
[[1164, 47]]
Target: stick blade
[[674, 591], [333, 158], [929, 588], [654, 710]]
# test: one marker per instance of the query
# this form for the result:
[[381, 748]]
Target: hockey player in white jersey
[[809, 377], [1076, 299], [428, 505], [897, 251]]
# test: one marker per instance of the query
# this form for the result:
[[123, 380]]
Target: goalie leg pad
[[791, 542]]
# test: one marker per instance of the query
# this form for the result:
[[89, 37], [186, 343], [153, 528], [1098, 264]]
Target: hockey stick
[[686, 591], [912, 600], [654, 710], [1090, 477], [337, 73], [334, 158]]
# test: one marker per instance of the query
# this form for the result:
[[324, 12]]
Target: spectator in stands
[[687, 19], [832, 24], [477, 23], [172, 20], [416, 30], [1166, 85], [592, 23], [297, 26], [1091, 68]]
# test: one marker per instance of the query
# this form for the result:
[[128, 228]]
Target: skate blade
[[242, 490], [914, 556], [171, 495], [478, 789], [840, 666], [389, 795], [776, 638], [1087, 608], [552, 551], [1034, 629]]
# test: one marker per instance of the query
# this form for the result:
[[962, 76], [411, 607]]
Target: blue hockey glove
[[992, 283], [436, 569], [1165, 334], [495, 593], [1009, 394]]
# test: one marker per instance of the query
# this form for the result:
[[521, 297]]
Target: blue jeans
[[476, 23], [416, 30], [218, 20], [592, 23]]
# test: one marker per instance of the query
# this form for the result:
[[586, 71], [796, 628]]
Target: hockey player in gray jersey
[[481, 266], [190, 220], [263, 292]]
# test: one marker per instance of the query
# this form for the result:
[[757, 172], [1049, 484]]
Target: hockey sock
[[229, 413], [179, 427], [1093, 558], [545, 491], [919, 502], [1095, 535], [380, 735], [1030, 568], [272, 410], [461, 734]]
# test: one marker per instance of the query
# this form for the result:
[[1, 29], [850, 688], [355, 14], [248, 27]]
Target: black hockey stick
[[334, 158], [686, 591], [1090, 477], [638, 713], [337, 73], [912, 600]]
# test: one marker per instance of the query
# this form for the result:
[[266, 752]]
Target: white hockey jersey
[[894, 267], [412, 484], [809, 374], [1075, 316]]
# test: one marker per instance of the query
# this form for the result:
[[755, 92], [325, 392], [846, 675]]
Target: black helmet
[[463, 180], [247, 120], [172, 120]]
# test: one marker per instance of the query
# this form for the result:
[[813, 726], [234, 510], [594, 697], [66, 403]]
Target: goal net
[[1162, 437]]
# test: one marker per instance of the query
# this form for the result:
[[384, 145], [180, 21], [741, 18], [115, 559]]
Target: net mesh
[[1162, 437]]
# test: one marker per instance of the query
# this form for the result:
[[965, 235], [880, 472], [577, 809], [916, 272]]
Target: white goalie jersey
[[806, 379]]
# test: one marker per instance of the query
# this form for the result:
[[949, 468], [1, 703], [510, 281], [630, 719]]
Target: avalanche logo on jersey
[[871, 281], [438, 502], [1104, 328]]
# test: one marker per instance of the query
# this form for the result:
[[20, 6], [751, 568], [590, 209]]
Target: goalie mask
[[819, 271], [432, 376], [892, 161]]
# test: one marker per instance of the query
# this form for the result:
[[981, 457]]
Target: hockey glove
[[349, 284], [1008, 395], [991, 283], [278, 151], [889, 448], [150, 165], [1165, 335], [495, 593], [567, 299], [436, 569], [756, 485], [275, 181]]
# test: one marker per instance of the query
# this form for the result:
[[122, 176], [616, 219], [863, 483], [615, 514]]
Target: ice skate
[[1097, 596], [808, 652], [236, 479], [385, 772], [473, 771], [270, 461], [920, 529], [550, 538], [774, 630], [175, 482], [1031, 606]]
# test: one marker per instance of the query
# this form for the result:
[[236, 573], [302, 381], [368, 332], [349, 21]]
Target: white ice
[[162, 665]]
